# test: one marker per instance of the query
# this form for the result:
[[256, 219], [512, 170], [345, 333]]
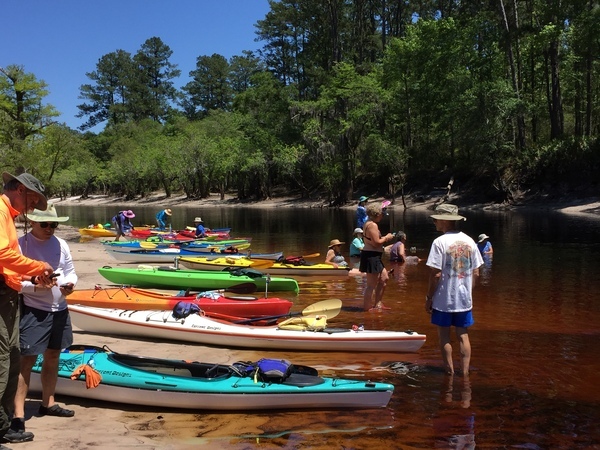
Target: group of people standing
[[36, 275], [454, 260]]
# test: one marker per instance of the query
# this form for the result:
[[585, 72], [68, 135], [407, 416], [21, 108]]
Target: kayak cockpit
[[185, 369]]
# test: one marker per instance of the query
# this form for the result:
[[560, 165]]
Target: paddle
[[298, 259], [330, 308]]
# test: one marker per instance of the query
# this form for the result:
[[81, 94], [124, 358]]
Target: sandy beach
[[108, 425]]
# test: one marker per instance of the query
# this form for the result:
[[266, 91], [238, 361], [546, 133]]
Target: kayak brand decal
[[204, 327]]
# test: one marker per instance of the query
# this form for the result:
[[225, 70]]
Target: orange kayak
[[210, 302]]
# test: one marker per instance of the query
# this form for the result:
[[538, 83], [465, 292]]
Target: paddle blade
[[312, 255], [330, 308], [261, 264], [243, 288]]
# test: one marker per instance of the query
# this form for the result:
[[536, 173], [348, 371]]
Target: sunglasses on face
[[48, 224]]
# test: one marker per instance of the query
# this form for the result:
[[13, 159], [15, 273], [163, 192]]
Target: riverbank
[[567, 205]]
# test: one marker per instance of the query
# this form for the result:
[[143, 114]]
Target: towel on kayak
[[92, 377], [183, 309]]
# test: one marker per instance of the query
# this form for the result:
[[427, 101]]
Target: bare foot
[[379, 307]]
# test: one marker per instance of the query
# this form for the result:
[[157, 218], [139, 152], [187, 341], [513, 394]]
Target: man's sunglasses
[[48, 224]]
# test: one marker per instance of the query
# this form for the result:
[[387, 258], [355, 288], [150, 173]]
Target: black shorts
[[370, 262], [42, 330]]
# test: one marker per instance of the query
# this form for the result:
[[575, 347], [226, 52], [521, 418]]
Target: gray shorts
[[42, 330]]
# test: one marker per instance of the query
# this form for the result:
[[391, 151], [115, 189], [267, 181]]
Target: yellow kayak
[[266, 266], [98, 232]]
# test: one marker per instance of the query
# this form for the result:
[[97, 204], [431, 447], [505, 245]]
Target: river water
[[536, 350]]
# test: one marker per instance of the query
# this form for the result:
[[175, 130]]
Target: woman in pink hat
[[122, 222]]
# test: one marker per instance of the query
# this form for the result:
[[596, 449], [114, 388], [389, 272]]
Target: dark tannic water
[[536, 348]]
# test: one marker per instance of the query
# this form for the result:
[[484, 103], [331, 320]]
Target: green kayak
[[171, 278]]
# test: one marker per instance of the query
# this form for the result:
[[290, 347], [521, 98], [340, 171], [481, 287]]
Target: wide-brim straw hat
[[198, 220], [31, 183], [335, 242], [482, 237], [447, 211], [49, 215], [168, 211]]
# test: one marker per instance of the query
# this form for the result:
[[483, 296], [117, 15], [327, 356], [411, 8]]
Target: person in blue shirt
[[162, 217], [357, 243], [484, 245], [122, 223], [200, 230], [361, 212]]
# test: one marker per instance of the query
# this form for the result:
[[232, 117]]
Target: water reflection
[[453, 427], [535, 340], [485, 271]]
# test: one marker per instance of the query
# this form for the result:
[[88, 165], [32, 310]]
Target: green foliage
[[342, 95], [23, 117]]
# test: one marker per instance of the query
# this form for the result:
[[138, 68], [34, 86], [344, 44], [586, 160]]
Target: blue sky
[[59, 41]]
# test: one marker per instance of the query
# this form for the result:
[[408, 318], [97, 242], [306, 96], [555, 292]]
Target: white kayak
[[202, 330]]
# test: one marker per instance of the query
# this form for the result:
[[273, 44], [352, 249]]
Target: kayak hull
[[141, 299], [169, 278], [281, 269], [97, 232]]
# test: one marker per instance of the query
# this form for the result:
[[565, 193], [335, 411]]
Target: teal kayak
[[171, 278], [101, 374]]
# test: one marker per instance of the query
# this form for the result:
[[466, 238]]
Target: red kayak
[[209, 302]]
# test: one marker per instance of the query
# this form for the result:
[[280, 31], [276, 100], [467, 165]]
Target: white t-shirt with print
[[457, 256]]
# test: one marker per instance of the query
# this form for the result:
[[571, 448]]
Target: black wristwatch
[[33, 278]]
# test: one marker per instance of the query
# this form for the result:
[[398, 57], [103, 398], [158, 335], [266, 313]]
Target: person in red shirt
[[22, 193]]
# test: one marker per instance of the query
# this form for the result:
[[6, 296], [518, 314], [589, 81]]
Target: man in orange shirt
[[22, 194]]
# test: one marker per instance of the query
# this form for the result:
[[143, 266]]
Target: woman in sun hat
[[162, 217], [357, 243], [484, 245], [122, 222], [200, 230], [334, 256], [45, 325]]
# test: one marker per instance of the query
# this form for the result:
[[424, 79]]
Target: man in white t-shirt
[[454, 260]]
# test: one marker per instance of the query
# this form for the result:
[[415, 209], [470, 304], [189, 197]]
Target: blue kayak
[[242, 386]]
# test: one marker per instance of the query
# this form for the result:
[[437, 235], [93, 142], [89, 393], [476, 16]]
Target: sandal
[[55, 410]]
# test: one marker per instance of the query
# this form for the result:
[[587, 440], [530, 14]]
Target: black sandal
[[55, 410]]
